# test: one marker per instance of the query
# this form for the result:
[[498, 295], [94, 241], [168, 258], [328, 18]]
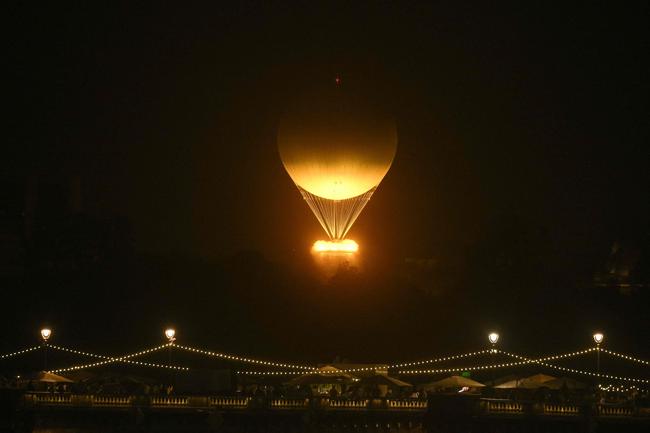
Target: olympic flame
[[344, 246]]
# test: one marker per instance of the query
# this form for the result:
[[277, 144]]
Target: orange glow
[[344, 246], [337, 148]]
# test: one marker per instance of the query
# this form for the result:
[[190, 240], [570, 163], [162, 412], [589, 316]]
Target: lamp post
[[493, 337], [598, 338], [46, 333], [170, 333]]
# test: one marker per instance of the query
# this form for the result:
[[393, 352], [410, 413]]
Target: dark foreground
[[441, 413]]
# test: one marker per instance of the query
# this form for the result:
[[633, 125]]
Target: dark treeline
[[84, 276]]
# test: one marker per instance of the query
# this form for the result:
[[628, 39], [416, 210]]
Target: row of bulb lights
[[170, 334], [616, 388], [573, 370], [505, 364], [111, 359], [493, 338]]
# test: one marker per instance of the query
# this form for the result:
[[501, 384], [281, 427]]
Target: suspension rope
[[623, 356], [522, 361], [19, 352], [336, 216], [300, 369], [243, 359], [428, 361], [122, 358], [441, 359], [573, 370], [127, 361], [499, 365]]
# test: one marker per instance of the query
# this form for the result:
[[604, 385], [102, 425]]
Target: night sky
[[141, 183]]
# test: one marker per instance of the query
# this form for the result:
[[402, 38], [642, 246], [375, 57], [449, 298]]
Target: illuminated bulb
[[598, 337], [343, 246], [170, 333], [46, 333], [493, 337]]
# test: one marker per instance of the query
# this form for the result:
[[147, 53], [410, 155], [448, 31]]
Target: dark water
[[215, 423], [363, 428], [233, 429]]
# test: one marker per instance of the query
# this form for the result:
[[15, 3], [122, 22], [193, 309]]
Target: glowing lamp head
[[493, 337], [598, 337], [344, 246], [46, 333], [170, 333]]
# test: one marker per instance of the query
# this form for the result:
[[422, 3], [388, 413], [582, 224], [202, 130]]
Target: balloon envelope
[[337, 149]]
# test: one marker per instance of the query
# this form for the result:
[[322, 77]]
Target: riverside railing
[[487, 407], [561, 410]]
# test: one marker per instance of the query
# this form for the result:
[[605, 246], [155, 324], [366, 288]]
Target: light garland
[[428, 371], [269, 373], [573, 370], [500, 365], [442, 359], [623, 356], [125, 357], [127, 361], [19, 352], [617, 388], [242, 359], [375, 367], [460, 369], [302, 368]]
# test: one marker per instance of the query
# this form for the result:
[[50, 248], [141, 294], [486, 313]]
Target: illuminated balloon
[[337, 150]]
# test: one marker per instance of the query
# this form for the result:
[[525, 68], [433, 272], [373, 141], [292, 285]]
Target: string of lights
[[408, 364], [242, 359], [300, 369], [94, 355], [617, 388], [19, 352], [623, 356], [370, 368], [461, 369], [573, 370], [499, 365], [122, 358], [441, 359], [428, 371]]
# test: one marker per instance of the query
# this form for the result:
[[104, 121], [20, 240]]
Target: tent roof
[[531, 382], [502, 379], [46, 376], [562, 382], [535, 381], [514, 383], [454, 382]]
